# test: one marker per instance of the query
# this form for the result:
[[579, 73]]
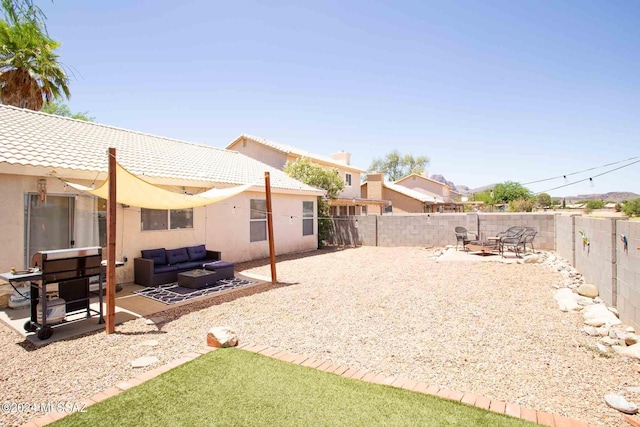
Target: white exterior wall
[[229, 233], [269, 156], [214, 225]]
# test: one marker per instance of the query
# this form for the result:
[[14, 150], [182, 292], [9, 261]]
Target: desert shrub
[[521, 205], [632, 207]]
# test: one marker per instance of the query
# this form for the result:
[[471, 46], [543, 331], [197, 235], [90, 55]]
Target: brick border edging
[[498, 406]]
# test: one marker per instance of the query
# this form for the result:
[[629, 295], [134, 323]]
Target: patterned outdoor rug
[[171, 293]]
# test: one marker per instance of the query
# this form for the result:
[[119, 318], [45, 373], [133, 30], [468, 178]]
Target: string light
[[585, 170]]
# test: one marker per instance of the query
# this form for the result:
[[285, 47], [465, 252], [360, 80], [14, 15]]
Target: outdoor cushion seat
[[159, 256], [177, 256], [223, 269], [189, 265], [165, 268]]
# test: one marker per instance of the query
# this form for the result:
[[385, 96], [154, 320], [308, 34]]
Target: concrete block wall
[[565, 236], [544, 223], [419, 230], [628, 272], [596, 261]]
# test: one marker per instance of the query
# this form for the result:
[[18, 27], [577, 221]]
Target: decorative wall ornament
[[585, 240], [623, 238]]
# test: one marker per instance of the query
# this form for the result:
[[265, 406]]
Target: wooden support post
[[111, 245], [272, 251]]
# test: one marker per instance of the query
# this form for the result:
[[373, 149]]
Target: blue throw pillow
[[158, 256], [196, 253], [175, 256]]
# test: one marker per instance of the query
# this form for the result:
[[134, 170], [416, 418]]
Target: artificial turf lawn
[[236, 387]]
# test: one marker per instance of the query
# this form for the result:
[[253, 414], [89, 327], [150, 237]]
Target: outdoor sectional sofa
[[159, 266]]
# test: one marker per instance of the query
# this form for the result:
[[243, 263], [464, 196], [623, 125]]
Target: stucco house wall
[[216, 225], [417, 182], [267, 155]]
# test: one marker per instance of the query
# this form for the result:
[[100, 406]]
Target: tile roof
[[289, 149], [39, 139]]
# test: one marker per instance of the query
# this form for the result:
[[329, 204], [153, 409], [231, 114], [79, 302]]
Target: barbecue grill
[[69, 272]]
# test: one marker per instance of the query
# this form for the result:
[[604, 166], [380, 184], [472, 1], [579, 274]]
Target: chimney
[[374, 186], [342, 157]]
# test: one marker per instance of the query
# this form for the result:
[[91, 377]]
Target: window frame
[[256, 211], [307, 217], [347, 179], [170, 220]]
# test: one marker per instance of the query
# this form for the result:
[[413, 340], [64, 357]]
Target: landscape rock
[[614, 311], [631, 351], [533, 259], [150, 343], [621, 404], [631, 339], [595, 332], [141, 362], [599, 312], [630, 329], [566, 300], [602, 348], [610, 341], [222, 336], [587, 290], [583, 300]]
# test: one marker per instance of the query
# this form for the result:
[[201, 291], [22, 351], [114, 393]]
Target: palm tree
[[29, 69]]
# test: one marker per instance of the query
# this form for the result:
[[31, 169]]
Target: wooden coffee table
[[196, 279]]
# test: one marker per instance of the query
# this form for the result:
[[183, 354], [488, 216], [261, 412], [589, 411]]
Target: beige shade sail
[[134, 191]]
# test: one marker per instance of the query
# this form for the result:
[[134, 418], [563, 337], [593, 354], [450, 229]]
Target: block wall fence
[[604, 262]]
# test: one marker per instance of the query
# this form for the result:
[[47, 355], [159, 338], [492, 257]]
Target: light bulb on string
[[591, 182], [233, 211], [356, 225], [291, 220], [428, 219], [565, 178]]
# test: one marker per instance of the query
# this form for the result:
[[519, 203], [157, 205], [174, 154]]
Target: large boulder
[[587, 290], [222, 336]]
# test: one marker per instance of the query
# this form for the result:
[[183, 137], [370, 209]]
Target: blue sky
[[490, 91]]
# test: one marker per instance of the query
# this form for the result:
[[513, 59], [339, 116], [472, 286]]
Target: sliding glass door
[[48, 224]]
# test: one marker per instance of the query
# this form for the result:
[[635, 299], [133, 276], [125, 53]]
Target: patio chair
[[511, 231], [512, 242], [462, 236], [529, 235]]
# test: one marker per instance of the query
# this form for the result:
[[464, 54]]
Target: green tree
[[328, 179], [509, 191], [631, 207], [595, 204], [60, 109], [544, 200], [30, 72], [395, 166]]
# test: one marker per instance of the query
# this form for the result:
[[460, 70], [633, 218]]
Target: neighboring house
[[429, 187], [408, 200], [39, 152], [275, 154]]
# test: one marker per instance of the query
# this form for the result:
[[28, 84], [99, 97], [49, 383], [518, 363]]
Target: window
[[343, 211], [364, 210], [162, 219], [388, 209], [352, 210], [347, 178], [258, 221], [307, 218]]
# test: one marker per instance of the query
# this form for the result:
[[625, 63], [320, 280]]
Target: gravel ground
[[487, 328]]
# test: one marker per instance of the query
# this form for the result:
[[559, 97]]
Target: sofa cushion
[[159, 256], [189, 265], [176, 256], [197, 253], [165, 269]]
